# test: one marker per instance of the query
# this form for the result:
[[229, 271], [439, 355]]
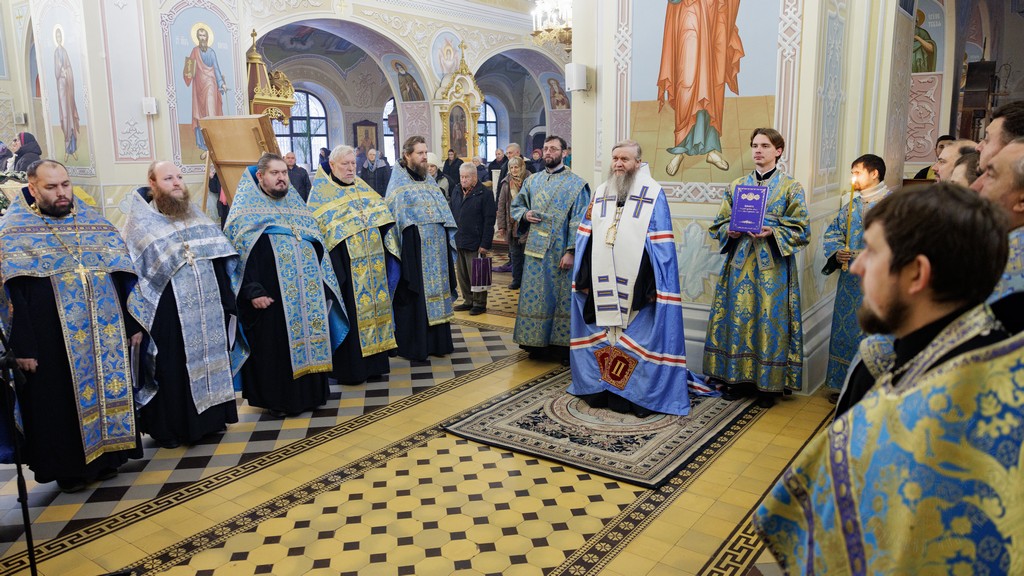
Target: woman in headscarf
[[26, 151], [507, 227], [325, 162], [5, 155]]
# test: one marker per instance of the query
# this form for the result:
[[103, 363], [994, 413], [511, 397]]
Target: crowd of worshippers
[[294, 290]]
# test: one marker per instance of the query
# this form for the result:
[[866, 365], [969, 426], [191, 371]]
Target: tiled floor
[[370, 485]]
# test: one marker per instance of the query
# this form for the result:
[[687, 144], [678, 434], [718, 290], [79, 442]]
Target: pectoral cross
[[189, 256], [641, 199], [82, 273]]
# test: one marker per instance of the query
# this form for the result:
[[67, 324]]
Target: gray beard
[[620, 185]]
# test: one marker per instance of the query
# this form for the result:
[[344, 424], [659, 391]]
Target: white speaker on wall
[[576, 77]]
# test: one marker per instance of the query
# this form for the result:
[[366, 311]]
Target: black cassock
[[171, 415], [267, 380], [350, 366], [49, 404], [416, 338]]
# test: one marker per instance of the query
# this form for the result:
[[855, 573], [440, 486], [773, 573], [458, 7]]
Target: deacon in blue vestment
[[426, 232], [755, 332], [359, 232], [68, 275], [924, 475], [868, 172], [1003, 183], [188, 274], [628, 349], [549, 208], [289, 301]]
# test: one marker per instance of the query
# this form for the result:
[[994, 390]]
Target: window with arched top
[[390, 146], [306, 132], [487, 131]]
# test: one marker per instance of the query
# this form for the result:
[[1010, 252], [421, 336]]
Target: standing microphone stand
[[9, 376]]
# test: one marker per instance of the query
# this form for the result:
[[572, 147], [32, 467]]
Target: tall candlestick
[[849, 219]]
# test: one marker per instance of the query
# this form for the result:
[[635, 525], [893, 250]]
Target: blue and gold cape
[[543, 317], [421, 204], [755, 330], [315, 328], [846, 333], [1012, 279], [354, 215], [89, 307], [921, 478]]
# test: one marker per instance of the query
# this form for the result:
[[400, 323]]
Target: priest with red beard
[[426, 233], [185, 300]]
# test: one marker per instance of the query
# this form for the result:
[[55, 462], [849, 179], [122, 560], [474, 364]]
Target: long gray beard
[[620, 185]]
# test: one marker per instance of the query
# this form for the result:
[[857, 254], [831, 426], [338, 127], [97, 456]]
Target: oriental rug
[[541, 419]]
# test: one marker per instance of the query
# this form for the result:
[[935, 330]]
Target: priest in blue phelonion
[[289, 302], [628, 351], [843, 240]]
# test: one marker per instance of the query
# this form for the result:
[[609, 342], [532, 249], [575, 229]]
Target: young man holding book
[[755, 335]]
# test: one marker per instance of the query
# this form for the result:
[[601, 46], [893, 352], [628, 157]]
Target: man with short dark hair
[[297, 176], [922, 474], [948, 157], [1003, 183], [548, 210], [426, 232], [1007, 123], [185, 299], [868, 178], [928, 173], [359, 234], [68, 275], [289, 302], [965, 170], [473, 208]]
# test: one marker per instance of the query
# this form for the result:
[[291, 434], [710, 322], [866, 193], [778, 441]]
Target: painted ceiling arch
[[347, 42]]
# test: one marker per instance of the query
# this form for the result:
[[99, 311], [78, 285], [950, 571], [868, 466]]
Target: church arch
[[394, 67]]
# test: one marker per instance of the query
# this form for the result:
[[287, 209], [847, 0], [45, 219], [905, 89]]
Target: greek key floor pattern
[[370, 484]]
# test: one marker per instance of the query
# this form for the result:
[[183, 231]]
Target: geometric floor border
[[53, 547], [743, 547], [590, 558]]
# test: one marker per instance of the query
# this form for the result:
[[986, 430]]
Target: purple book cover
[[748, 205]]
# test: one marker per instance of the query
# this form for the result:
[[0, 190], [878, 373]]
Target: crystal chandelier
[[552, 22]]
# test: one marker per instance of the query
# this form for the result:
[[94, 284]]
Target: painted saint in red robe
[[700, 55]]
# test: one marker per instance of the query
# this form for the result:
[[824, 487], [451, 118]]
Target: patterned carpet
[[543, 420]]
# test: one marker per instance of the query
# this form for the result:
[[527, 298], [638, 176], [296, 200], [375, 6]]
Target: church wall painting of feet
[[712, 73]]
